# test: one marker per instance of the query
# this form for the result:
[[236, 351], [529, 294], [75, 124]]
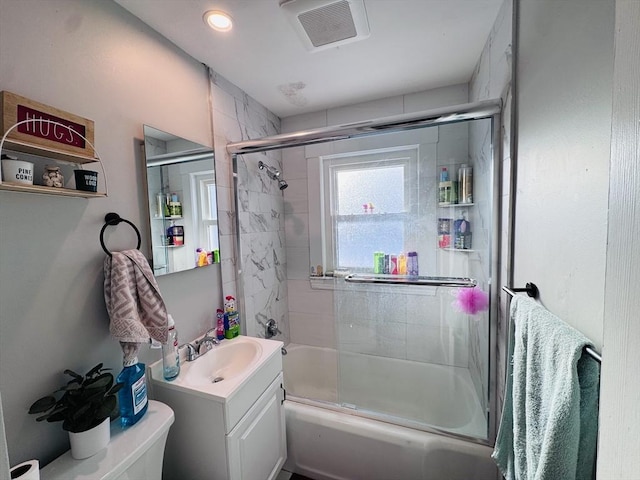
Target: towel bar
[[114, 219], [532, 290]]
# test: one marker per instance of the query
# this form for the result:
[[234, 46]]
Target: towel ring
[[114, 219]]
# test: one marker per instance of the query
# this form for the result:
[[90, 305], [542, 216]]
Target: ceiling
[[413, 45]]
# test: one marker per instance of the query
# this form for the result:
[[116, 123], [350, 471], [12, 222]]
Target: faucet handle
[[206, 340], [271, 328], [192, 352], [212, 332]]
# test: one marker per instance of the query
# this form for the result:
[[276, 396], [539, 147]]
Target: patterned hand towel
[[133, 299], [549, 420]]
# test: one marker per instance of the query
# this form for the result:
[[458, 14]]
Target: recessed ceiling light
[[218, 20]]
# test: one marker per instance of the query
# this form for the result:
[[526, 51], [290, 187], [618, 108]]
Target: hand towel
[[549, 424], [136, 307]]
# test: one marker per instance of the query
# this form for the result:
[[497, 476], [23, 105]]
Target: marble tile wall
[[492, 79], [253, 260]]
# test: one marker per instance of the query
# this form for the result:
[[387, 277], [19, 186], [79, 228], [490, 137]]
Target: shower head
[[274, 174]]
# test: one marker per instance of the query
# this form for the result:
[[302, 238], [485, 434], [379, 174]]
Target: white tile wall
[[262, 292]]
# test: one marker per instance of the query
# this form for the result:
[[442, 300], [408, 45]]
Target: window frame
[[330, 165], [205, 216]]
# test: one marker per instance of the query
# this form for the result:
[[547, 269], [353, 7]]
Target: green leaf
[[106, 408], [94, 370], [116, 388], [43, 404], [56, 415], [75, 375], [104, 381]]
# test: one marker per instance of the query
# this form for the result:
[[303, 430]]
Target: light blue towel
[[549, 424]]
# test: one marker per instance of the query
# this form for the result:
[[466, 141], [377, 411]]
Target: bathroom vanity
[[229, 412]]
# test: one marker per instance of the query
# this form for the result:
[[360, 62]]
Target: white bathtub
[[326, 441]]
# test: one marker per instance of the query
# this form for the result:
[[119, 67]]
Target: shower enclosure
[[402, 222]]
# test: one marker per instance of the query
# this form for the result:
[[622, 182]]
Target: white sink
[[233, 373], [223, 362]]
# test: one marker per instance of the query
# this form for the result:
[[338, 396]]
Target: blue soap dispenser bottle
[[132, 397]]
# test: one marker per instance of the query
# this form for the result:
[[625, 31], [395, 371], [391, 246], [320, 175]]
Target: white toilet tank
[[134, 453]]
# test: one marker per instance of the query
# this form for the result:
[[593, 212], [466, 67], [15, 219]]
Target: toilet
[[135, 452]]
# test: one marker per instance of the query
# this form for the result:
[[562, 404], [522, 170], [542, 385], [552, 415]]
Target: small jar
[[52, 177]]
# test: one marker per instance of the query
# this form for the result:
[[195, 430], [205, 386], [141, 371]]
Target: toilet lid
[[125, 447]]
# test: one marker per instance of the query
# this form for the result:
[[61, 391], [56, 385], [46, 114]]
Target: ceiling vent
[[323, 24]]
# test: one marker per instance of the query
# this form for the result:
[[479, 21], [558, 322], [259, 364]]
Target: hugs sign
[[65, 135]]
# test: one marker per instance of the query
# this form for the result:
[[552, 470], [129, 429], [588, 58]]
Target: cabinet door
[[257, 446]]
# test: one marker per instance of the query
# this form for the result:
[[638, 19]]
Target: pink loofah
[[471, 300]]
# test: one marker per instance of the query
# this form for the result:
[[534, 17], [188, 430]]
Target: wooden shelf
[[47, 152], [42, 190]]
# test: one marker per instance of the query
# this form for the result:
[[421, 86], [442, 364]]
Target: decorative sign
[[55, 133], [44, 134]]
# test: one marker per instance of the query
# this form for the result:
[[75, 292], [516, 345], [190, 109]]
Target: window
[[206, 220], [368, 201]]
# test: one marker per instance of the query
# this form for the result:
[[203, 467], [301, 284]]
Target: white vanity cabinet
[[228, 430], [257, 444]]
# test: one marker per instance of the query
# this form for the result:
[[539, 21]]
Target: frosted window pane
[[358, 240], [383, 187]]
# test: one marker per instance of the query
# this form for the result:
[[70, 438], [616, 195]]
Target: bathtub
[[327, 441]]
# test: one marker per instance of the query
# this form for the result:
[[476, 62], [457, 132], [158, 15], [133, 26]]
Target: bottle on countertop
[[220, 324], [132, 397], [170, 353], [231, 318]]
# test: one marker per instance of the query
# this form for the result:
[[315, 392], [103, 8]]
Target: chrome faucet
[[208, 339], [192, 352]]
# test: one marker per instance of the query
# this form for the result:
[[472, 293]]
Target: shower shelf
[[406, 280], [455, 205]]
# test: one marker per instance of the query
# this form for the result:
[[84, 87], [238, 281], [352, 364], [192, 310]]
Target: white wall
[[94, 59], [620, 390], [565, 68]]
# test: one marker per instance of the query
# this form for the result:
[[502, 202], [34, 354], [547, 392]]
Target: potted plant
[[87, 405]]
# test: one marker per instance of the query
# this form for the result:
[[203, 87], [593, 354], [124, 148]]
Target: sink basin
[[238, 368], [222, 362]]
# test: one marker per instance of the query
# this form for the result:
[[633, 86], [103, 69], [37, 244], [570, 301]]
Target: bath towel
[[136, 308], [549, 424]]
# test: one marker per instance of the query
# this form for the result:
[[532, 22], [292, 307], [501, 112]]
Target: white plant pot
[[90, 442]]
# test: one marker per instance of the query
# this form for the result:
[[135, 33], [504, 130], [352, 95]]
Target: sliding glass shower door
[[401, 213]]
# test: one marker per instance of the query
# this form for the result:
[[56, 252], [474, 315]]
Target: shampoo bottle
[[132, 398], [170, 354]]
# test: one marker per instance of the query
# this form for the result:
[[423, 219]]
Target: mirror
[[183, 213]]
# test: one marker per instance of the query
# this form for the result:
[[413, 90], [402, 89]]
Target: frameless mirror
[[181, 191]]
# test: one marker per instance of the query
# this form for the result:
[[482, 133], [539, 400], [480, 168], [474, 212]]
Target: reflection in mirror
[[181, 191]]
